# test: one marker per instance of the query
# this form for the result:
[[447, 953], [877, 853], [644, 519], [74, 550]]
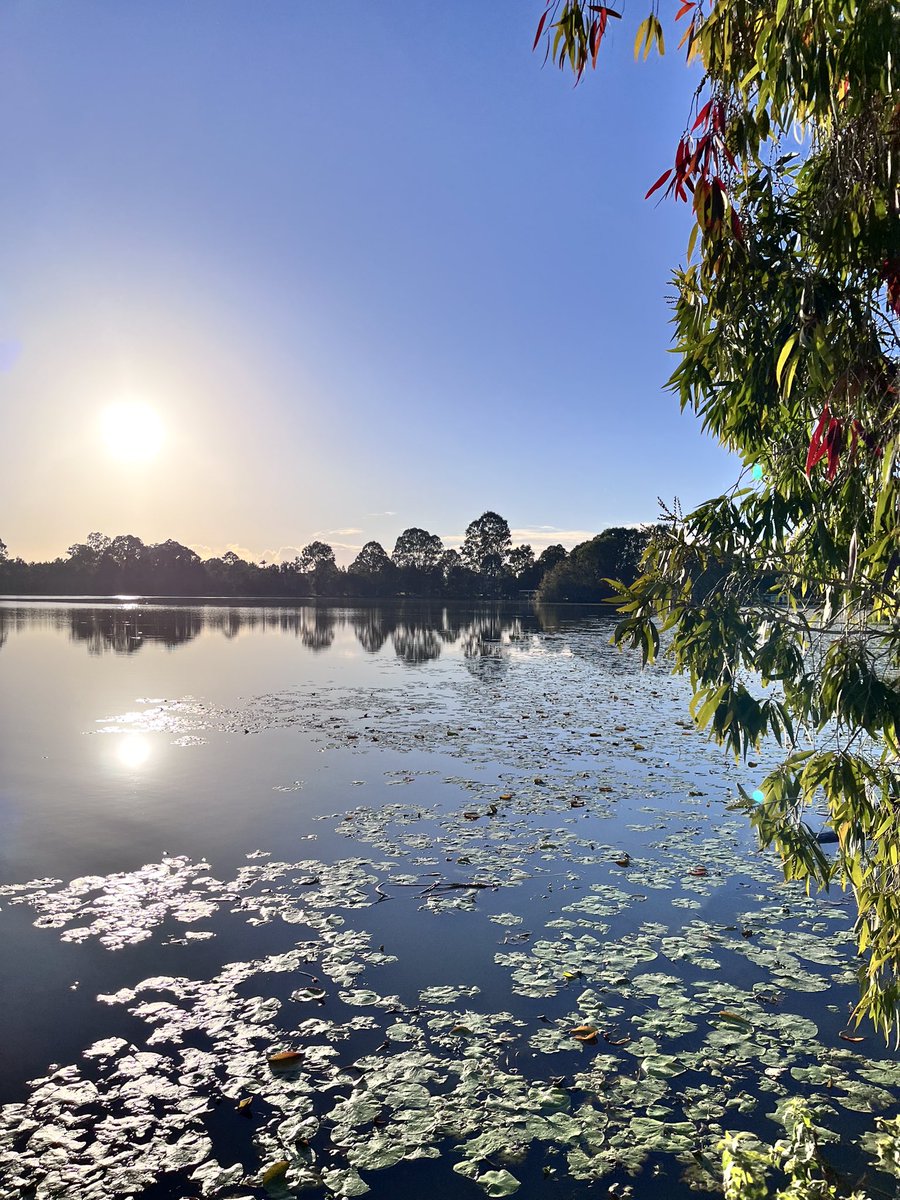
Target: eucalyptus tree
[[417, 548], [486, 545], [316, 562], [788, 342], [374, 568]]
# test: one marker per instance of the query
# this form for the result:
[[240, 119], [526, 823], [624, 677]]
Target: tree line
[[486, 566]]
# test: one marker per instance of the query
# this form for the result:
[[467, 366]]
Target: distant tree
[[373, 559], [315, 556], [520, 560], [549, 557], [612, 554], [486, 544], [98, 543], [316, 562], [173, 569], [417, 554], [124, 550], [4, 553], [449, 563], [373, 570], [417, 548]]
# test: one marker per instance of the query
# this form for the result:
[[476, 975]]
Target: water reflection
[[417, 634], [132, 750]]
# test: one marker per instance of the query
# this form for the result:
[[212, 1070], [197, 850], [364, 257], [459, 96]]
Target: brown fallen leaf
[[285, 1058], [850, 1037], [734, 1017], [244, 1106], [614, 1041], [505, 796], [624, 860], [276, 1171], [698, 871], [576, 804], [471, 816], [584, 1033]]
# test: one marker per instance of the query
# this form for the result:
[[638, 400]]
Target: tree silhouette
[[486, 544]]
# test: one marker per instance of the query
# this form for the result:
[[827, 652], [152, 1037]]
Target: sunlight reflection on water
[[132, 751]]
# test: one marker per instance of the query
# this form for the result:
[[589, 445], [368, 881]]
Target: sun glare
[[132, 432], [133, 751]]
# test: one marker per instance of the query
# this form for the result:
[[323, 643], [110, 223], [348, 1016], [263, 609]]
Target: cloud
[[388, 512], [539, 537]]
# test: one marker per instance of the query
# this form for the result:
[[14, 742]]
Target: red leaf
[[834, 440], [816, 444], [702, 115], [662, 179], [540, 29], [686, 7]]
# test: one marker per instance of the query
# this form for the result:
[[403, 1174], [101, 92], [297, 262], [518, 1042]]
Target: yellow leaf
[[784, 356]]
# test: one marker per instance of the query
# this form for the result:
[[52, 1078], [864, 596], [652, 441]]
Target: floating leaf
[[498, 1183], [276, 1171], [584, 1033], [309, 993], [734, 1018], [285, 1058]]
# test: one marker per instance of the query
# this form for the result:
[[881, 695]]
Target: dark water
[[206, 810]]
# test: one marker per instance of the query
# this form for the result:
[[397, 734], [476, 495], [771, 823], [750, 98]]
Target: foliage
[[487, 543], [417, 548], [103, 565], [315, 557], [746, 1163], [584, 575], [883, 1143], [786, 330]]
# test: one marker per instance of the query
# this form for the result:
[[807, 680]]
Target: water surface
[[414, 848]]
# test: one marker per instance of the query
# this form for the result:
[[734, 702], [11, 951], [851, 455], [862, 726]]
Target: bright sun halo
[[132, 431]]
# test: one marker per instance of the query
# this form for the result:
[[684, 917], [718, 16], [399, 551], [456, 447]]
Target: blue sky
[[370, 264]]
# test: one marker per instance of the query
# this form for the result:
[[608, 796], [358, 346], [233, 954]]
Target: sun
[[132, 431]]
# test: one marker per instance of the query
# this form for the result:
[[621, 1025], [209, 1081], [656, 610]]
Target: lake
[[389, 900]]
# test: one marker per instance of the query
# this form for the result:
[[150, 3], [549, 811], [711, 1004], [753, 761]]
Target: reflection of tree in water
[[371, 629], [416, 643], [124, 630], [417, 632], [316, 627], [485, 644]]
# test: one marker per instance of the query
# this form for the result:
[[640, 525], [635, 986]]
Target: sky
[[365, 267]]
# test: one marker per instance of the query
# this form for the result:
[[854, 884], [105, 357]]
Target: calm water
[[415, 849]]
